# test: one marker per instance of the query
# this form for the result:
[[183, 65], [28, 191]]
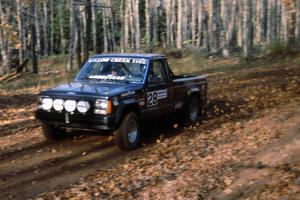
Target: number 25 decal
[[152, 99]]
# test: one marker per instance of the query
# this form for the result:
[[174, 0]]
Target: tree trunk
[[20, 30], [45, 29], [285, 23], [261, 10], [297, 28], [80, 28], [247, 26], [87, 42], [131, 24], [61, 28], [37, 28], [173, 23], [122, 31], [126, 26], [213, 25], [193, 21], [200, 22], [3, 45], [229, 23], [104, 24], [112, 37], [179, 25], [168, 21], [94, 25], [72, 37], [52, 27], [184, 23], [270, 22], [137, 25], [148, 33], [33, 39]]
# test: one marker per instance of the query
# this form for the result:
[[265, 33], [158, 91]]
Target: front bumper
[[77, 120]]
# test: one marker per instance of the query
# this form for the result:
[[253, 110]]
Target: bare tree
[[52, 27], [229, 18], [104, 25], [137, 25], [87, 41], [179, 25], [193, 21], [94, 25], [71, 36], [297, 28], [20, 30], [285, 22], [3, 41], [45, 28], [126, 25], [247, 26], [200, 22], [261, 15], [148, 31], [62, 29], [33, 39], [37, 28], [214, 10]]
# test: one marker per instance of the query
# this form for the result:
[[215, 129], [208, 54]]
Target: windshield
[[114, 69]]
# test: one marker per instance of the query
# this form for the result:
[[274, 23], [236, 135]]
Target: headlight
[[47, 103], [58, 104], [83, 106], [103, 106], [70, 105]]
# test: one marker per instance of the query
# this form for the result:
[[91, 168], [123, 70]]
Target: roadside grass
[[52, 69]]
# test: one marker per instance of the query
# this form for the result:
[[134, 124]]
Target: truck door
[[159, 93]]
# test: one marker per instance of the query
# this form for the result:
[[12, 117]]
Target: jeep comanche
[[116, 92]]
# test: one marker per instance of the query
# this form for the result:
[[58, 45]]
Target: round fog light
[[70, 105], [58, 104], [83, 106], [47, 103]]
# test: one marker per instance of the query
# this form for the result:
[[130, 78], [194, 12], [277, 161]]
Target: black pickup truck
[[116, 92]]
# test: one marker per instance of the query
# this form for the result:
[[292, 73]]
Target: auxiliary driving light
[[70, 105], [83, 106], [47, 103], [58, 104]]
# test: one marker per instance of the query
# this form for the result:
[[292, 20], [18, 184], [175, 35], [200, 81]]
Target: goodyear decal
[[107, 77]]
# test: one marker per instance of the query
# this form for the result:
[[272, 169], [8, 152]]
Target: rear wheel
[[52, 133], [192, 111], [127, 136]]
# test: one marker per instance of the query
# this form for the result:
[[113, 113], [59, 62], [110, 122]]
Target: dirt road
[[250, 111]]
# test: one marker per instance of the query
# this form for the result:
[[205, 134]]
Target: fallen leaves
[[200, 160]]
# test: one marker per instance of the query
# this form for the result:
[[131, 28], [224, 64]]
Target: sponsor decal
[[119, 60], [154, 96], [107, 77]]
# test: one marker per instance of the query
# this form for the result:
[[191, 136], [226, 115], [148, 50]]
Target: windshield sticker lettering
[[119, 60], [107, 77]]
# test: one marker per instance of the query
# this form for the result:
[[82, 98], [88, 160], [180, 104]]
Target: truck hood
[[92, 88]]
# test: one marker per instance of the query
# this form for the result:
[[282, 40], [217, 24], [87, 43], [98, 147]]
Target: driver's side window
[[156, 74]]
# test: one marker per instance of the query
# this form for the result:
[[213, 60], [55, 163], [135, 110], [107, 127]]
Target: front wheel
[[127, 136]]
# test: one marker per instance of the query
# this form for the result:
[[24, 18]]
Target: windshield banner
[[119, 60]]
